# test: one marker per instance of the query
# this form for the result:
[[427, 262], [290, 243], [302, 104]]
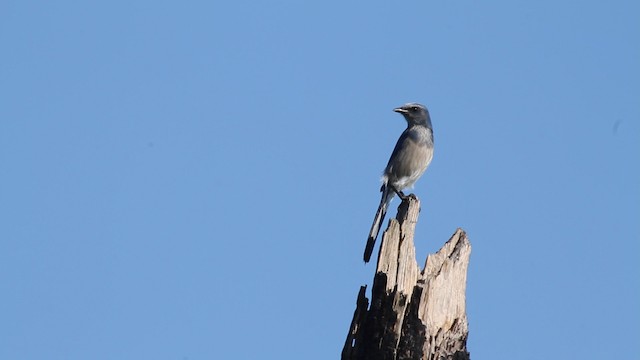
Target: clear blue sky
[[196, 180]]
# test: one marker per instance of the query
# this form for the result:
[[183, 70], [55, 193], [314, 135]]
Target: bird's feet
[[401, 195]]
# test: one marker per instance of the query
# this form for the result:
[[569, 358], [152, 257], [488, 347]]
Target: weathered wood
[[362, 304], [413, 314]]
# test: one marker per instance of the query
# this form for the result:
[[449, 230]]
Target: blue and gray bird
[[409, 160]]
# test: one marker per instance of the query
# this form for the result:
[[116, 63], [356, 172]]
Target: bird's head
[[415, 114]]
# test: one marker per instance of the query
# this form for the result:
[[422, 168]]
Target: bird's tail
[[387, 195]]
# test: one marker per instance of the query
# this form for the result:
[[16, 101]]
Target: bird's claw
[[401, 195]]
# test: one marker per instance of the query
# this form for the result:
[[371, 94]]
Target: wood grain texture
[[413, 314]]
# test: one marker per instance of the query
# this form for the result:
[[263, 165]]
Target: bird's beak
[[400, 110]]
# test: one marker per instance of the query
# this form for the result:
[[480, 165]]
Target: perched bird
[[409, 160]]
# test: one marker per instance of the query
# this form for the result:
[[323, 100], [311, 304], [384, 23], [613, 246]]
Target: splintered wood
[[413, 314]]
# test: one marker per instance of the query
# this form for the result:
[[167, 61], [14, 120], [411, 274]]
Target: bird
[[410, 158]]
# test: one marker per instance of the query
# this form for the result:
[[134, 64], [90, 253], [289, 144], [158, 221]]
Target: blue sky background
[[196, 180]]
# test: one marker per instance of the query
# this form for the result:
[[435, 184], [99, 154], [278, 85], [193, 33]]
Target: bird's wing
[[410, 157]]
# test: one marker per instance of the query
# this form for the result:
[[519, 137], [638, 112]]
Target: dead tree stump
[[413, 314]]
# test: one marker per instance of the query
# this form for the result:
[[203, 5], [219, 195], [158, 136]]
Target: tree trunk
[[413, 314]]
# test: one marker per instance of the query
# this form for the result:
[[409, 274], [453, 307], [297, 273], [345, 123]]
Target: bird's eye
[[414, 108]]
